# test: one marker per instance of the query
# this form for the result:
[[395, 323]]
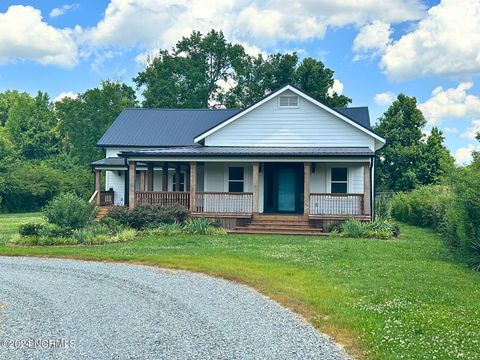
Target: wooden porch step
[[281, 228], [102, 211], [273, 217], [273, 223], [311, 232]]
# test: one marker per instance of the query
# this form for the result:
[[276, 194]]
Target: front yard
[[382, 299]]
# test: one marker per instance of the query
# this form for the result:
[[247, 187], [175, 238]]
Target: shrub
[[381, 229], [41, 241], [197, 226], [352, 228], [120, 214], [177, 212], [30, 229], [150, 217], [475, 255], [383, 206], [70, 211], [113, 226], [169, 229], [52, 231], [425, 206], [102, 238]]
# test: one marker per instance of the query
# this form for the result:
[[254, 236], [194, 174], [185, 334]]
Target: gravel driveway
[[66, 309]]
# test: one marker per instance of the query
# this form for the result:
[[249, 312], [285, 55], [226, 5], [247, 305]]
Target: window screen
[[339, 180], [235, 179]]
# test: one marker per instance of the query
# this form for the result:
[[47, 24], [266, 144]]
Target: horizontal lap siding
[[307, 125], [117, 182]]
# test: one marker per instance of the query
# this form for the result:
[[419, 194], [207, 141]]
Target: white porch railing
[[336, 204], [224, 202]]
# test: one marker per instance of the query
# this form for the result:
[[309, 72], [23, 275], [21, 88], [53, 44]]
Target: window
[[339, 180], [235, 179], [290, 101], [182, 182]]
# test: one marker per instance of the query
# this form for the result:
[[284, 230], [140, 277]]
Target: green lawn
[[401, 299], [9, 223]]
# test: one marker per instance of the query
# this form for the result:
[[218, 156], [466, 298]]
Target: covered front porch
[[319, 189]]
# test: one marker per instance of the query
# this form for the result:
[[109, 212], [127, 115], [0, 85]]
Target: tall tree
[[207, 71], [437, 162], [316, 80], [84, 119], [407, 160], [189, 76], [32, 126]]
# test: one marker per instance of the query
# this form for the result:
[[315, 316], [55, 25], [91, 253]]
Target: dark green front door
[[283, 188]]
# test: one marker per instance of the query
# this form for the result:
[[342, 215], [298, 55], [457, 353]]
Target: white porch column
[[306, 188], [256, 167], [366, 189], [131, 184]]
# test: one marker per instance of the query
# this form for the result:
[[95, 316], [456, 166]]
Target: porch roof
[[112, 163], [249, 151]]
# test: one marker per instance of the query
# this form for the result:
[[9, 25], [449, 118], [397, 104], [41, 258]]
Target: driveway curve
[[67, 309]]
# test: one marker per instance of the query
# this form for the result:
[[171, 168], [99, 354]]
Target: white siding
[[307, 125], [110, 152], [320, 182], [117, 183], [216, 176]]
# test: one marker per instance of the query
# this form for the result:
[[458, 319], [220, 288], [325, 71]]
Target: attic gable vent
[[288, 101]]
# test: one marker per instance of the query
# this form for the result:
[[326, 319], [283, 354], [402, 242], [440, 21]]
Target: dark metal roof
[[250, 151], [358, 114], [178, 127], [162, 127], [111, 162]]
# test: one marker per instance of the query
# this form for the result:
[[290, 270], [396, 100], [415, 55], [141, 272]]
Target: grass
[[9, 223], [399, 299]]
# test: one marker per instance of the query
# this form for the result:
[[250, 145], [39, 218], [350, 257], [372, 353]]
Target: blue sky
[[427, 49]]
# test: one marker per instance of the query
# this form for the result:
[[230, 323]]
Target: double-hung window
[[235, 179], [182, 182], [339, 180]]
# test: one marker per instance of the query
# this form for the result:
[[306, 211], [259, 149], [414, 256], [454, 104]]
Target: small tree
[[70, 211]]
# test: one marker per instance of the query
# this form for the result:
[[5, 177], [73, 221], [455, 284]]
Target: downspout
[[126, 184]]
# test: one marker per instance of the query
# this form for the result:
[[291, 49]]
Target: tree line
[[46, 147]]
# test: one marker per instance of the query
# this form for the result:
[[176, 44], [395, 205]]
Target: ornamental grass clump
[[379, 229]]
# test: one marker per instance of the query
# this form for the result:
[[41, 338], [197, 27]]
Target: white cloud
[[384, 98], [65, 94], [451, 130], [464, 155], [452, 102], [160, 23], [25, 36], [337, 87], [472, 131], [62, 10], [373, 38], [446, 42]]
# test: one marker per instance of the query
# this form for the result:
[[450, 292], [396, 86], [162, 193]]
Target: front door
[[283, 188]]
